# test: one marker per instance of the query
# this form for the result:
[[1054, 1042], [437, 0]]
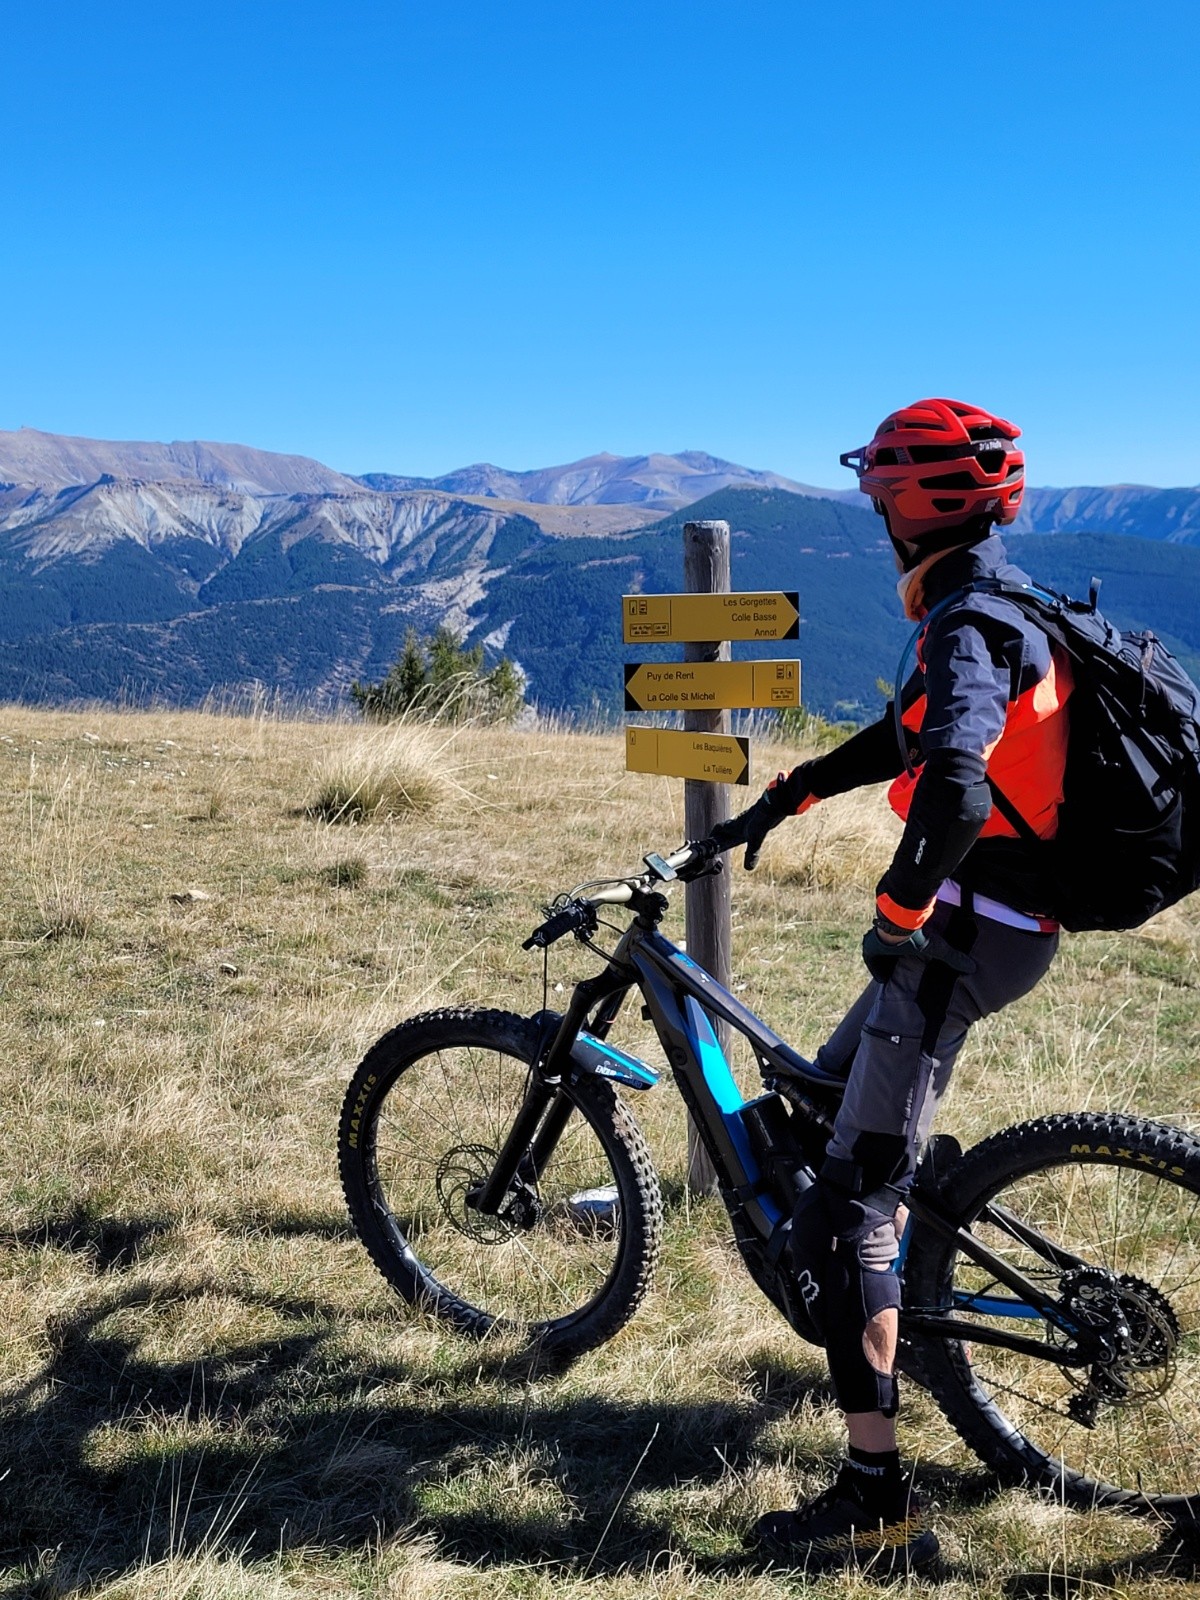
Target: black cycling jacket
[[984, 668]]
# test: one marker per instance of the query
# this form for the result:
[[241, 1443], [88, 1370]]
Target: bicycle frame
[[683, 1000]]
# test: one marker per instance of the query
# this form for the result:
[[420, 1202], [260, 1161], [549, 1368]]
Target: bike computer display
[[660, 868]]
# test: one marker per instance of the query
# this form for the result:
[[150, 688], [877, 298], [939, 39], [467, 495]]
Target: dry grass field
[[206, 1391]]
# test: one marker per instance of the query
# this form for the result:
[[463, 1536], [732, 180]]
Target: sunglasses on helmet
[[921, 454]]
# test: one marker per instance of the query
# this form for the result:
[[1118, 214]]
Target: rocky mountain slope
[[53, 460], [663, 481], [1130, 508], [142, 569]]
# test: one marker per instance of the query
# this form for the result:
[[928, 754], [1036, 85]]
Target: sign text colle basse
[[688, 618]]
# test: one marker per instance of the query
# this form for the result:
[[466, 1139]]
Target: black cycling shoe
[[836, 1529]]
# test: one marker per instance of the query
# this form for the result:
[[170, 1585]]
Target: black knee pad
[[842, 1251], [863, 1293]]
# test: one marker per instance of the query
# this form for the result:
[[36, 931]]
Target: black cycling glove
[[782, 798], [881, 957]]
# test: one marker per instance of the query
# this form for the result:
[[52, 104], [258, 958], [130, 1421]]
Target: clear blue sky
[[407, 237]]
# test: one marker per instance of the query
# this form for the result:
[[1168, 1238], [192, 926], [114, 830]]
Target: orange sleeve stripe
[[904, 916], [809, 800]]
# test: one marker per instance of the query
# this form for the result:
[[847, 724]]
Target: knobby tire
[[456, 1042], [1132, 1187]]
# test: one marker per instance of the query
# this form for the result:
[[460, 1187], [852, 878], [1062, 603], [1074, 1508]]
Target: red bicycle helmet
[[901, 469]]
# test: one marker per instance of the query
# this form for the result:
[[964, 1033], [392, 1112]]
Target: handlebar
[[573, 918], [578, 914]]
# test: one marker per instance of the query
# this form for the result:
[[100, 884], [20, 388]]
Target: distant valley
[[142, 570]]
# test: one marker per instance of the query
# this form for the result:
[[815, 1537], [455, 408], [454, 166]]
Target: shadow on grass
[[1175, 1561], [109, 1244], [114, 1457], [112, 1244], [111, 1456]]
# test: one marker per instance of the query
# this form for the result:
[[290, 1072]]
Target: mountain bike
[[1051, 1274]]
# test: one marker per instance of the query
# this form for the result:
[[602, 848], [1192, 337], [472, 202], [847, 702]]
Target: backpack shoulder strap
[[1023, 829]]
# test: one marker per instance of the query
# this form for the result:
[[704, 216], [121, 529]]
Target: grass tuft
[[64, 911], [350, 873], [399, 772]]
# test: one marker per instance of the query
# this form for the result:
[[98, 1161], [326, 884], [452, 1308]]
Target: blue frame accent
[[994, 1306], [725, 1092], [631, 1071], [683, 990]]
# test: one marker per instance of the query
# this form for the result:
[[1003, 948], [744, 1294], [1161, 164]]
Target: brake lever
[[704, 864]]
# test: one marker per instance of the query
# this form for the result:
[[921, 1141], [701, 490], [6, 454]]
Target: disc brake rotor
[[460, 1173], [1154, 1330]]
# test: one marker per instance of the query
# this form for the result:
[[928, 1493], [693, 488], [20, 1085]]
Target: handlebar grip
[[705, 860], [562, 922]]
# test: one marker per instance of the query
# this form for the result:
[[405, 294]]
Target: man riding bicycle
[[962, 925]]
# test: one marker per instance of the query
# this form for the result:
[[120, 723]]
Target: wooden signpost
[[705, 686]]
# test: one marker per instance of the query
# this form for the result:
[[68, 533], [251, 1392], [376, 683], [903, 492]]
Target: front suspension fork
[[520, 1149], [546, 1108]]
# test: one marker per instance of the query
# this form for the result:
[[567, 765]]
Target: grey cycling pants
[[896, 1047], [898, 1043]]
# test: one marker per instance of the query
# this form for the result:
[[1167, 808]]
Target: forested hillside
[[564, 599], [307, 604]]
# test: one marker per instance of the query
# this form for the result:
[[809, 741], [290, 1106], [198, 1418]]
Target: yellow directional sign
[[710, 757], [688, 618], [710, 685]]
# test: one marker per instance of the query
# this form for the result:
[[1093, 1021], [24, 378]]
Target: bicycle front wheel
[[566, 1263], [1119, 1200]]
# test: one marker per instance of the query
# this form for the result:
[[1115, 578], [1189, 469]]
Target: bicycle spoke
[[1131, 1228], [450, 1116]]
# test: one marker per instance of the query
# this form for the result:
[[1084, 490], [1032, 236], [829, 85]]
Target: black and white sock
[[878, 1479]]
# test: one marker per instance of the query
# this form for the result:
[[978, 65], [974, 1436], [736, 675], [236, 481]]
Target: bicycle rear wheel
[[563, 1266], [1121, 1198]]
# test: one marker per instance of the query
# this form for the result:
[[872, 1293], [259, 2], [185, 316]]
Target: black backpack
[[1128, 841]]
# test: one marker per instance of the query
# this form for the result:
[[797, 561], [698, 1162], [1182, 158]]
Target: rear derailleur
[[1136, 1330]]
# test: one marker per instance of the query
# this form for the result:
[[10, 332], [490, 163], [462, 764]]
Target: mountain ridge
[[657, 479], [30, 456], [236, 565], [605, 482]]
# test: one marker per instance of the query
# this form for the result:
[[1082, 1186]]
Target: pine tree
[[440, 679]]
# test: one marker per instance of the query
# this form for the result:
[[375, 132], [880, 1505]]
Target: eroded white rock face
[[88, 519], [401, 533], [63, 498]]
